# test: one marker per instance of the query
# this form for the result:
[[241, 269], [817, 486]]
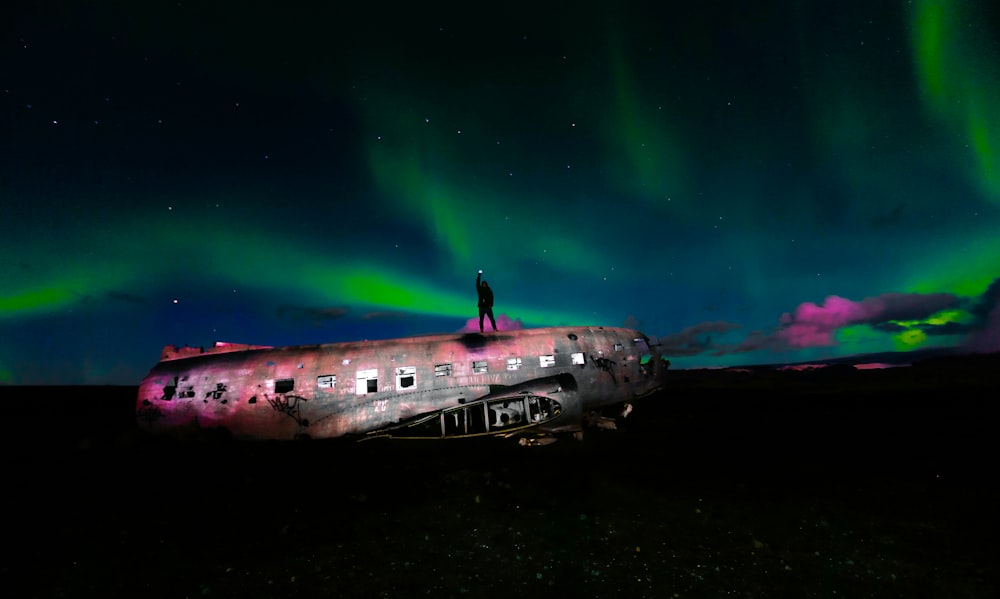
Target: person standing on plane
[[485, 302]]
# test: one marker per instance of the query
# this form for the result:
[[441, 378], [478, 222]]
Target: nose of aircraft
[[658, 362], [662, 364], [655, 367]]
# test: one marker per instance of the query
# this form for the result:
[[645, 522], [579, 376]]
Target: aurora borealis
[[781, 183]]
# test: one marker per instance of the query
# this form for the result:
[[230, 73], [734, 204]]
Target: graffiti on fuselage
[[288, 405]]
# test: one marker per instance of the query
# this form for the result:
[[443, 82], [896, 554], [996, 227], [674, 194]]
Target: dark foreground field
[[833, 484]]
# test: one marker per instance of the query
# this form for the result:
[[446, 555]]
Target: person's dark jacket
[[485, 293]]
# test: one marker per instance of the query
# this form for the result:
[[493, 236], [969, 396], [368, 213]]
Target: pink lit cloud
[[504, 323], [812, 325]]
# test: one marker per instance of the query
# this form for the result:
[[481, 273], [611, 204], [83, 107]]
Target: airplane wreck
[[531, 384]]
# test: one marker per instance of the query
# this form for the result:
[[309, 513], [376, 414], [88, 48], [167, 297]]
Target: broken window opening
[[405, 376], [506, 413], [284, 385], [367, 381]]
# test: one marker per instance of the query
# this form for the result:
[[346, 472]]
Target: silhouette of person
[[485, 302]]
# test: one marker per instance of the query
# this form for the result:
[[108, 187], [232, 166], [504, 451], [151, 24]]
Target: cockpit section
[[497, 416]]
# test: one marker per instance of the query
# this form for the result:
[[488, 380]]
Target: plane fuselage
[[547, 379]]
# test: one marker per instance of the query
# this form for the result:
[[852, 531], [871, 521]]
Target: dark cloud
[[754, 341], [987, 312], [385, 315], [905, 306], [987, 339], [929, 329], [944, 329], [316, 316], [889, 327], [982, 307], [694, 339]]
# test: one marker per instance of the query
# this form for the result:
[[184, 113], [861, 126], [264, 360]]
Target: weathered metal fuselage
[[532, 382]]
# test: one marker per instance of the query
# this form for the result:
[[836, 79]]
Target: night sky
[[766, 182]]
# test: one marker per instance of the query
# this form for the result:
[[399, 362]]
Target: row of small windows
[[367, 380]]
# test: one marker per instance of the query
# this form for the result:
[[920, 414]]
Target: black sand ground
[[828, 484]]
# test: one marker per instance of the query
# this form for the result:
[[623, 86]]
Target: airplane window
[[367, 381], [506, 412], [405, 376]]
